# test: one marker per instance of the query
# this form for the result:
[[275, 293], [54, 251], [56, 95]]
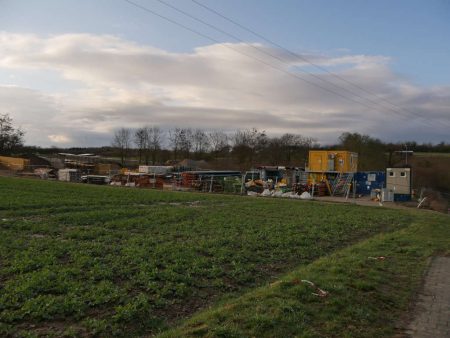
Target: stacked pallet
[[321, 189], [160, 180], [188, 179], [143, 182], [150, 181]]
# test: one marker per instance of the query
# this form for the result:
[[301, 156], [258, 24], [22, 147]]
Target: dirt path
[[432, 310], [365, 201]]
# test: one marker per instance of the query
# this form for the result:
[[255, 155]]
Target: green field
[[419, 154], [79, 260]]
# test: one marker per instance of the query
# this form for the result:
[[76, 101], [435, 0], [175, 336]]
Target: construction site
[[328, 173]]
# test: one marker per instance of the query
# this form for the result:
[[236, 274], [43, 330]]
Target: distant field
[[418, 154], [81, 260]]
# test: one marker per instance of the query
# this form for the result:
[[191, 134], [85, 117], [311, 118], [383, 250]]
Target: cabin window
[[391, 174], [403, 174]]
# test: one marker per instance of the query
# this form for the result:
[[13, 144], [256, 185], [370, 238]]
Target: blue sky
[[407, 40], [414, 33]]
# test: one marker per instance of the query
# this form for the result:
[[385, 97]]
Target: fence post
[[354, 191]]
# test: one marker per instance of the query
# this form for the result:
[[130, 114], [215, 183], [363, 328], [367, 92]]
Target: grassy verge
[[366, 297]]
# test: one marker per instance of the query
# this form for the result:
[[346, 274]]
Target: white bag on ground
[[266, 192], [278, 193], [305, 196]]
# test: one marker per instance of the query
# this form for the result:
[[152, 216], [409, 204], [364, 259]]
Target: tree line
[[249, 147], [246, 147], [239, 149]]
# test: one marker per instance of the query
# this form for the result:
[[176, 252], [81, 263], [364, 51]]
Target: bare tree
[[186, 141], [274, 151], [174, 139], [200, 142], [295, 147], [10, 137], [140, 140], [371, 150], [122, 141], [181, 141], [154, 139], [218, 141], [289, 144], [248, 143]]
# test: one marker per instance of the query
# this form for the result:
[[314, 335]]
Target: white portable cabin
[[69, 175], [399, 183]]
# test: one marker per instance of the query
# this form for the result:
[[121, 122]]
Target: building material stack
[[69, 175], [151, 181], [188, 179], [155, 169], [321, 189], [207, 180]]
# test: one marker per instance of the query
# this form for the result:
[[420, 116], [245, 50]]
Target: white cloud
[[59, 139], [120, 83]]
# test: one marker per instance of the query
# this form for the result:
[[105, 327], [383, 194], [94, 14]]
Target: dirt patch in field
[[56, 328], [176, 204]]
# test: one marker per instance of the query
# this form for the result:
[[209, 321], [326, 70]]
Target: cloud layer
[[75, 89]]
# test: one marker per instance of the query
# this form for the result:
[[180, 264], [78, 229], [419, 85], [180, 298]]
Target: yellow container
[[332, 161], [14, 163], [106, 168]]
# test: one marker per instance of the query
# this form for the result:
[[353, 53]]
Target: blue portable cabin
[[366, 181]]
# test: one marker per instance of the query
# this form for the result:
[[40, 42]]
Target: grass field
[[80, 260], [419, 154]]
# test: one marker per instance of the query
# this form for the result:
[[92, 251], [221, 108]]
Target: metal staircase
[[341, 185]]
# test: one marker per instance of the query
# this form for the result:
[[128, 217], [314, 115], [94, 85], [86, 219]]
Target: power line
[[261, 50], [243, 53], [286, 50], [240, 52], [308, 61]]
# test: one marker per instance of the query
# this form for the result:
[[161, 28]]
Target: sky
[[73, 72]]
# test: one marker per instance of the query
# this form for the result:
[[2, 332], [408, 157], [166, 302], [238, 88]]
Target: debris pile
[[139, 180], [278, 193], [433, 200], [318, 291]]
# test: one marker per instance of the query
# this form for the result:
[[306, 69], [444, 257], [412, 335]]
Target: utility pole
[[406, 152]]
